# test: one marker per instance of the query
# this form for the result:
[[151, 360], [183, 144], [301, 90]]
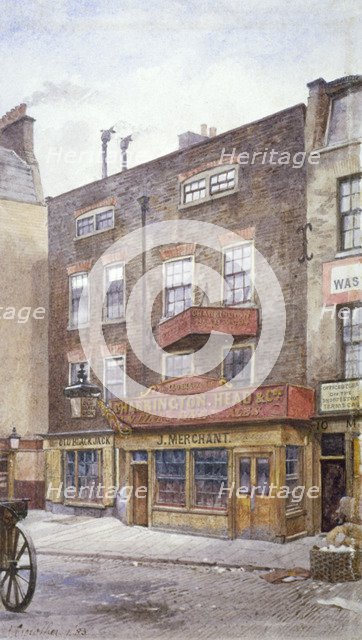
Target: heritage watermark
[[22, 315], [268, 156]]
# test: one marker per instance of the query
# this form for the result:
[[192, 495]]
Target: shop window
[[90, 223], [74, 370], [352, 341], [350, 212], [82, 475], [237, 274], [293, 472], [139, 456], [178, 286], [235, 362], [79, 313], [114, 375], [211, 473], [170, 477], [114, 292], [178, 365], [262, 475]]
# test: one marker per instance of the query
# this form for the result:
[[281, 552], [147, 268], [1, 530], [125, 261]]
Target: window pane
[[262, 475], [79, 312], [194, 191], [350, 207], [244, 479], [237, 269], [114, 292], [170, 476], [114, 378], [235, 362], [85, 226], [178, 286], [222, 181], [211, 471], [88, 475], [104, 220]]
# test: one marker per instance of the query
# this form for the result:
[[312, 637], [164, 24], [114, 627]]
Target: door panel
[[333, 489], [140, 503], [252, 506]]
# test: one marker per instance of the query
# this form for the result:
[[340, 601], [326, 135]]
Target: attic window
[[345, 119], [208, 185], [94, 222]]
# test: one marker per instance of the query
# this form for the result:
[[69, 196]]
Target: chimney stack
[[17, 134], [204, 130], [212, 132]]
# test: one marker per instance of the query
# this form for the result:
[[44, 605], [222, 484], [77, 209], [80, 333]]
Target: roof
[[16, 178]]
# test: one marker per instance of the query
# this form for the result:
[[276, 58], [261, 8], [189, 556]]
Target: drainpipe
[[144, 204]]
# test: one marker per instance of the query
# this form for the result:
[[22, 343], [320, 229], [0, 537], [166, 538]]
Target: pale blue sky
[[159, 68]]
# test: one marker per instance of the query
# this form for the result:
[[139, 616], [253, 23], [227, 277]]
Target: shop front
[[79, 475], [242, 472]]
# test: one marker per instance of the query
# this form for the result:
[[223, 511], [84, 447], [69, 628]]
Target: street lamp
[[83, 396], [14, 440]]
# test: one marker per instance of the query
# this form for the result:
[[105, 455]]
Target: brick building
[[23, 307], [262, 440], [333, 128]]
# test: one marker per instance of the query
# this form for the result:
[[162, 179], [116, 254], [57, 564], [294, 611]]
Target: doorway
[[333, 489], [252, 506], [140, 493], [4, 471]]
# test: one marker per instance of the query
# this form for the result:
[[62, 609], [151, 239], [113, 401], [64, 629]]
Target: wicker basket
[[335, 566]]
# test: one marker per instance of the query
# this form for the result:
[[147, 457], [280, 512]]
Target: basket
[[335, 566]]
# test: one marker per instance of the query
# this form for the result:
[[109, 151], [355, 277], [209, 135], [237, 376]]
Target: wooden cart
[[17, 557]]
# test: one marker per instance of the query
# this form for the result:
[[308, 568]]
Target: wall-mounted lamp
[[14, 440]]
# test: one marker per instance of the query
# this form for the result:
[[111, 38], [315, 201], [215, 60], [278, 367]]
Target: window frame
[[121, 318], [105, 390], [345, 344], [194, 505], [178, 353], [226, 248], [77, 498], [72, 326], [168, 505], [352, 212], [236, 347], [93, 213], [164, 288], [207, 175]]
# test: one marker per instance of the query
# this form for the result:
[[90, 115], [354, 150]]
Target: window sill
[[88, 505], [121, 320], [78, 327], [349, 253], [94, 233], [207, 199], [168, 507]]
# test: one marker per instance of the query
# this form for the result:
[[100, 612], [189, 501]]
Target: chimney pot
[[212, 132], [204, 130]]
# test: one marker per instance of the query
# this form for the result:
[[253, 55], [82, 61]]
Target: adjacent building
[[23, 312]]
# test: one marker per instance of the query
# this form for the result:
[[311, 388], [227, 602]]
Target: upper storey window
[[94, 222], [178, 286], [350, 207], [208, 185], [237, 274], [345, 121]]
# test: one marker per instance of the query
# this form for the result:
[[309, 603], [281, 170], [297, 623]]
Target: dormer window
[[95, 222], [208, 185]]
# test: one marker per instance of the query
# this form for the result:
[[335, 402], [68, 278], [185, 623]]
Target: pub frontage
[[243, 472]]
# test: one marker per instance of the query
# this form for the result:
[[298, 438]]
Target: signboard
[[342, 281], [232, 405], [340, 396]]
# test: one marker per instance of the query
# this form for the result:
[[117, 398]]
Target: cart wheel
[[17, 582]]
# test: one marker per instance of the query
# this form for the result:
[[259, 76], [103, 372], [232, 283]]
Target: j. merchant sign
[[277, 401], [340, 396], [342, 281]]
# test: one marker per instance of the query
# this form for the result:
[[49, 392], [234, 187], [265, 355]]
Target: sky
[[155, 69]]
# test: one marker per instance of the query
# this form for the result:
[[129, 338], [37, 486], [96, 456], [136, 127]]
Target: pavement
[[81, 536]]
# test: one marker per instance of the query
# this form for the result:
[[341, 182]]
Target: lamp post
[[83, 396], [14, 440]]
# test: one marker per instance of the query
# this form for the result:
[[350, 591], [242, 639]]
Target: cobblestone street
[[104, 598]]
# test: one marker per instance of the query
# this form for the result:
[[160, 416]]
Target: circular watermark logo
[[148, 285]]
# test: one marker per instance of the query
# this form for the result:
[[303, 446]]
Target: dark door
[[140, 494], [333, 489], [3, 475]]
